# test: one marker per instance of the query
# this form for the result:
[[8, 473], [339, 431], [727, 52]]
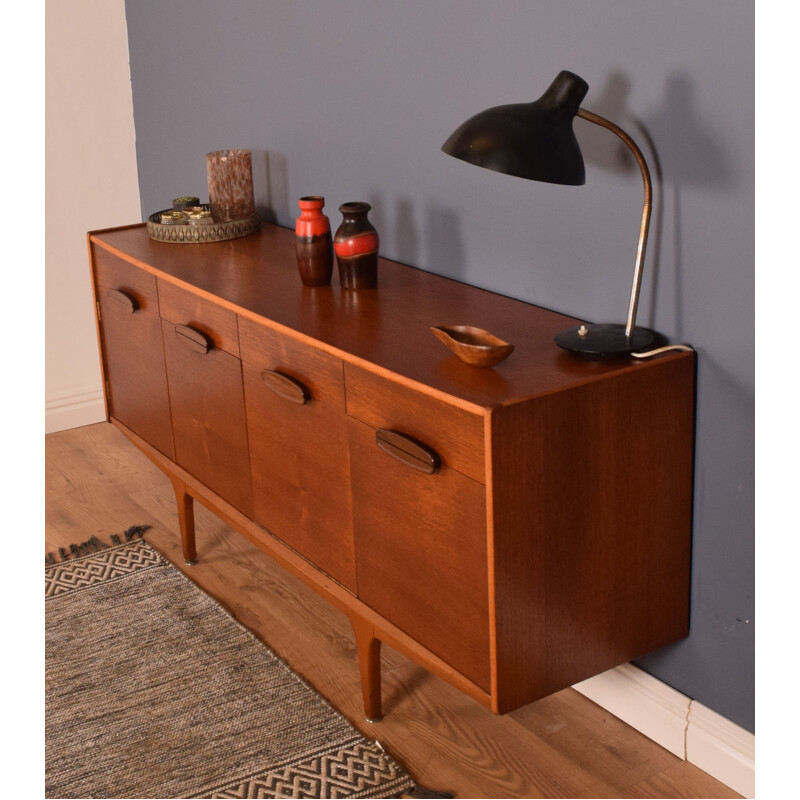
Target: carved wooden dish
[[473, 345]]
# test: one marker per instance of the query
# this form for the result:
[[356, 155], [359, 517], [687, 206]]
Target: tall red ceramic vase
[[313, 242]]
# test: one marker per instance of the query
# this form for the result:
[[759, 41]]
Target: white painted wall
[[91, 183]]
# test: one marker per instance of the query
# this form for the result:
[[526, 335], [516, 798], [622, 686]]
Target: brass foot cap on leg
[[375, 719], [191, 563]]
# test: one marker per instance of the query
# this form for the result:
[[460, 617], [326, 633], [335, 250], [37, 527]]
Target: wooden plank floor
[[562, 746]]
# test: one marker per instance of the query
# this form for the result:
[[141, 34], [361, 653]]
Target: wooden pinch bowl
[[473, 345]]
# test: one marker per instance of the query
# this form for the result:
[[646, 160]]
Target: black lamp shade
[[536, 141], [529, 140]]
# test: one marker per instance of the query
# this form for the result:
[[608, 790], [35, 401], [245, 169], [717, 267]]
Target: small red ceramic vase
[[313, 242], [356, 246]]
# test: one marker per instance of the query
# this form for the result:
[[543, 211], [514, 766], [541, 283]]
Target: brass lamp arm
[[646, 210]]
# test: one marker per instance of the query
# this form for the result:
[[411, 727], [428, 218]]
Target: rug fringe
[[93, 545], [134, 531]]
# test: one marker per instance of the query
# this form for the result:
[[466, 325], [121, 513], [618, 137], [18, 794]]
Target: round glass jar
[[173, 218], [201, 217]]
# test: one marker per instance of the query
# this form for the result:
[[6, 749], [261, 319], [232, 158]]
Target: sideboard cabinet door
[[132, 350], [298, 447], [421, 548], [206, 396]]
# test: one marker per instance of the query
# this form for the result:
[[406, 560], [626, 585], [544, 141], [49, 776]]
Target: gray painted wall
[[352, 100]]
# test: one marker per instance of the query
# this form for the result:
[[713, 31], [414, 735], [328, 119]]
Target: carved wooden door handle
[[286, 387], [408, 450], [194, 339], [123, 300]]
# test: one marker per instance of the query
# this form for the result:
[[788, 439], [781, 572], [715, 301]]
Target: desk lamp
[[536, 141]]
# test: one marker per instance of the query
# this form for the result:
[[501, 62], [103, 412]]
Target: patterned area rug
[[154, 690]]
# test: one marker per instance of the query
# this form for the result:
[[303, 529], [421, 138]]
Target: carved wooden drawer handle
[[286, 387], [194, 339], [123, 300], [408, 450]]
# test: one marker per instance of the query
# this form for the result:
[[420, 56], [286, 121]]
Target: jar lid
[[172, 218], [180, 203]]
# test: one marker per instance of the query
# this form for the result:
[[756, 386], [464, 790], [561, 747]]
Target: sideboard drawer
[[113, 273], [455, 434], [184, 308]]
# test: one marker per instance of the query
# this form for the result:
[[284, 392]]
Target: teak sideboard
[[513, 529]]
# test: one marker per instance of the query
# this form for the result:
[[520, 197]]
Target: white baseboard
[[719, 747], [644, 702], [681, 725], [74, 408]]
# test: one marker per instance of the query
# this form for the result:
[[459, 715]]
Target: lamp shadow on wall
[[680, 151], [691, 156]]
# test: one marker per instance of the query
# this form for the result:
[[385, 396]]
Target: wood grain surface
[[387, 327], [185, 308], [590, 528], [421, 552], [133, 355], [208, 418], [299, 454], [454, 433]]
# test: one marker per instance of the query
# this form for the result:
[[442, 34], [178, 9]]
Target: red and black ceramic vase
[[313, 242], [356, 246]]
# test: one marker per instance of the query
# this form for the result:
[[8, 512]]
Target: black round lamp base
[[601, 342]]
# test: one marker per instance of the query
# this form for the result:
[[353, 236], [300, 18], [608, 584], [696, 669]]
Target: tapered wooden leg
[[186, 519], [369, 664]]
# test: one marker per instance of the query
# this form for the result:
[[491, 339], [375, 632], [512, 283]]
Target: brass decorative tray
[[197, 234]]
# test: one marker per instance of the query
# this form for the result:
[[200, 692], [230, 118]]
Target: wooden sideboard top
[[387, 328]]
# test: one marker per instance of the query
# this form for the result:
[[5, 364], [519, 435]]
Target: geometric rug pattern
[[154, 690]]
